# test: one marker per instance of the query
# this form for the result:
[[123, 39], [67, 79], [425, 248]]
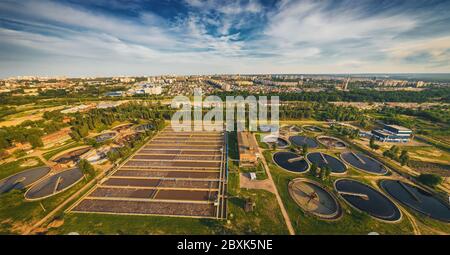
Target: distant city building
[[392, 133], [146, 89], [114, 94]]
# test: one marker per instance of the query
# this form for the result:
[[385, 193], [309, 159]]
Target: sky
[[154, 37]]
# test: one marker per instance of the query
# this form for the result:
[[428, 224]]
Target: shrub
[[431, 180]]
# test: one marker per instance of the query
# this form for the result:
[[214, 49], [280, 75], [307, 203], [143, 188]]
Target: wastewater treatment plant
[[212, 119]]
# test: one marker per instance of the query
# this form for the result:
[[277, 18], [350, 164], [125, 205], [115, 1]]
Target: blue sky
[[149, 37]]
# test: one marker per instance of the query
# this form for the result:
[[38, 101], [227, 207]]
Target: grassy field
[[14, 167], [259, 170]]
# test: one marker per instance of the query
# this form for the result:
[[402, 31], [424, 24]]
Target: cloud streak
[[212, 36]]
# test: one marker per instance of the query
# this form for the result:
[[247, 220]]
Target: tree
[[431, 180], [273, 146], [35, 141], [313, 170], [364, 123], [372, 144], [392, 153], [86, 167], [325, 172], [304, 149], [113, 155], [322, 174], [404, 157]]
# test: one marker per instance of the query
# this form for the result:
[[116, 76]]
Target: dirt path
[[246, 183], [416, 229], [277, 195]]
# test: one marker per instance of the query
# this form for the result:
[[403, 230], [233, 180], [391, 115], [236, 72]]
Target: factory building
[[392, 133]]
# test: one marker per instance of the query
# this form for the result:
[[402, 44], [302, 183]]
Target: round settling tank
[[332, 142], [278, 141], [71, 156], [313, 198], [363, 162], [312, 128], [323, 160], [300, 140], [105, 137], [23, 179], [417, 199], [54, 184], [367, 199], [291, 162]]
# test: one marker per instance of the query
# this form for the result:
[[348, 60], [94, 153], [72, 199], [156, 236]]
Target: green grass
[[435, 224], [261, 144], [135, 225], [259, 170], [17, 213], [14, 167], [352, 221], [266, 218]]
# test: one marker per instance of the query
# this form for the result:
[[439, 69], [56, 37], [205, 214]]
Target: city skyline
[[110, 38]]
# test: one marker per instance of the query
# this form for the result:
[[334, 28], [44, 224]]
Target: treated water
[[54, 184], [282, 159], [23, 179], [363, 162], [417, 199], [322, 160], [300, 140], [367, 199]]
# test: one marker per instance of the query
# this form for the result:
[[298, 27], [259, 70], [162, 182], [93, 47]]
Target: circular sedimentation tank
[[122, 127], [23, 179], [417, 199], [291, 128], [130, 137], [105, 136], [312, 128], [291, 162], [300, 140], [295, 129], [313, 198], [322, 160], [54, 184], [71, 155], [278, 141], [143, 127], [365, 198], [363, 162], [332, 142], [268, 128]]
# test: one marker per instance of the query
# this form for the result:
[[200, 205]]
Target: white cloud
[[297, 36], [312, 22], [437, 48], [227, 7]]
